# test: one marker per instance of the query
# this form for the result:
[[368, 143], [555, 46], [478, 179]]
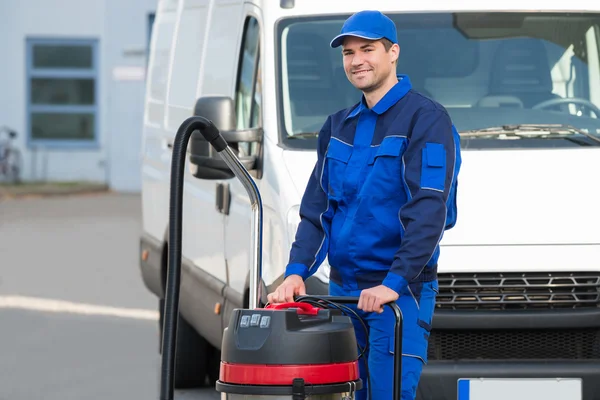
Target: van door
[[248, 101], [203, 273], [202, 224]]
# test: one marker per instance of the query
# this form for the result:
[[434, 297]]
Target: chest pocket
[[386, 177], [338, 155]]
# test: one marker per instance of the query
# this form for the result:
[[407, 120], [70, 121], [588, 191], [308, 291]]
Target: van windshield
[[490, 71]]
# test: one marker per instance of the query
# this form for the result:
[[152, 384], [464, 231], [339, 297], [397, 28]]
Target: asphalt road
[[77, 322]]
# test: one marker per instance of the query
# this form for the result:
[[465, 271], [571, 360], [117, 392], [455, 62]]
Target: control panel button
[[265, 321], [245, 322], [255, 320]]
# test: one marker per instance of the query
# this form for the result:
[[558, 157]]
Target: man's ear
[[395, 51]]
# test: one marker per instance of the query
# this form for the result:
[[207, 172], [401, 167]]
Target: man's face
[[366, 62]]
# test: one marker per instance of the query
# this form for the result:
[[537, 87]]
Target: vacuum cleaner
[[306, 349]]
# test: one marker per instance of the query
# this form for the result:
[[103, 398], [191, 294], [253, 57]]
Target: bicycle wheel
[[14, 163]]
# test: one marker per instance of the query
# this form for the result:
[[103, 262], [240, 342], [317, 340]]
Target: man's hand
[[373, 299], [292, 286]]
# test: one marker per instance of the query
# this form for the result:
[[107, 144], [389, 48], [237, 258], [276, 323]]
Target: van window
[[246, 75], [488, 69], [249, 84], [158, 66]]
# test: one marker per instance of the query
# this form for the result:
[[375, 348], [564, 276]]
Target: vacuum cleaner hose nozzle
[[213, 136]]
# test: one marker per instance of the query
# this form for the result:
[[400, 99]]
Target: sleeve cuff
[[297, 269], [395, 282]]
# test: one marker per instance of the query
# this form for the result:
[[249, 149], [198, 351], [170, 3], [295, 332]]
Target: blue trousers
[[417, 312]]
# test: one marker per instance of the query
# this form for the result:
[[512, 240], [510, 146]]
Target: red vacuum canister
[[291, 350]]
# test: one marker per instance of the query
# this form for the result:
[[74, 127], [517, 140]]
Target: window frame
[[73, 73]]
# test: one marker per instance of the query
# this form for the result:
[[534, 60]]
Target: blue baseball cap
[[368, 24]]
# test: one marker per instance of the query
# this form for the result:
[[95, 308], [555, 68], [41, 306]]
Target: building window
[[62, 92]]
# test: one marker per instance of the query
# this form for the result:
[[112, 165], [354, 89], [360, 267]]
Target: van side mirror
[[207, 164]]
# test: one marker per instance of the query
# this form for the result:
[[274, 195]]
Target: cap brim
[[339, 39]]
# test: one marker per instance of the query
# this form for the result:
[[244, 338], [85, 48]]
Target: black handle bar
[[397, 333]]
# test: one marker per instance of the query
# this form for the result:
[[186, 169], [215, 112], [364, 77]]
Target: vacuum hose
[[171, 311]]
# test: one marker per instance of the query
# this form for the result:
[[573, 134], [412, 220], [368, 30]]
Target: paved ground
[[77, 322]]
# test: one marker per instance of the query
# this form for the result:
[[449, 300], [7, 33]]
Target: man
[[382, 192]]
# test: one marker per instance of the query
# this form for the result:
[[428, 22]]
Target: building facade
[[73, 81]]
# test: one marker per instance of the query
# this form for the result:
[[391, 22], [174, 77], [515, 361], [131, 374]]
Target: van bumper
[[439, 380]]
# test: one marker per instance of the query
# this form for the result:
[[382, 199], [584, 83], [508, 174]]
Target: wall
[[121, 29]]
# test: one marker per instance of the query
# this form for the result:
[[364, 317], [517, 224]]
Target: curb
[[8, 192]]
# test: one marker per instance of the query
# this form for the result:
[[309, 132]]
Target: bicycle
[[10, 157]]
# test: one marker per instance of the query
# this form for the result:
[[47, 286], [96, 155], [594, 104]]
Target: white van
[[519, 275]]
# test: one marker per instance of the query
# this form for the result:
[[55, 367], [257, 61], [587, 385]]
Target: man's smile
[[361, 72]]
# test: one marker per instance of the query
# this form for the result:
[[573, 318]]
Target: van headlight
[[293, 220]]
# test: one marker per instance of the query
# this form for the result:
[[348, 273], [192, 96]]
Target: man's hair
[[387, 45]]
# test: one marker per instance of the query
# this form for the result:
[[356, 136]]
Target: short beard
[[373, 87]]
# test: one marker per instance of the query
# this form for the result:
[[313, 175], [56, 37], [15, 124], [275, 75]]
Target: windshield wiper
[[532, 130]]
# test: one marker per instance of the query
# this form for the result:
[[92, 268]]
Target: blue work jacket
[[381, 194]]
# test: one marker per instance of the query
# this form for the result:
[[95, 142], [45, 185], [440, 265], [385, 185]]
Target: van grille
[[518, 290], [541, 344]]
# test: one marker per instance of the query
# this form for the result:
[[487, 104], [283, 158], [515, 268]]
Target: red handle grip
[[303, 308]]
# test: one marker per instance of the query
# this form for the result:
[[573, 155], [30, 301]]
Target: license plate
[[519, 389]]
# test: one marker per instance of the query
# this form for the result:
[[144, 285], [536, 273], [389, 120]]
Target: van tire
[[192, 353]]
